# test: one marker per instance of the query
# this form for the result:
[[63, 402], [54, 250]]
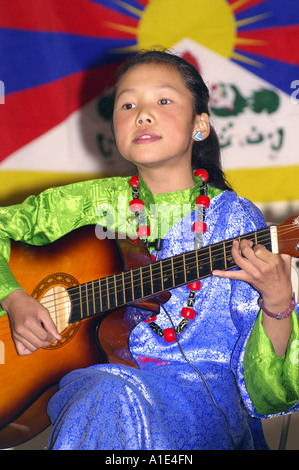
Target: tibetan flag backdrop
[[58, 63]]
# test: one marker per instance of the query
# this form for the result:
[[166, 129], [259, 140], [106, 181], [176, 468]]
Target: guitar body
[[27, 382]]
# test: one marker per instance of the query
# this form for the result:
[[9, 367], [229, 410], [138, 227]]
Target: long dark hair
[[206, 153]]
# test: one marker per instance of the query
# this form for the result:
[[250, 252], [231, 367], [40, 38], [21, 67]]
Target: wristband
[[279, 316]]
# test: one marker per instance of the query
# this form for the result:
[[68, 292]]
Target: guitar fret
[[133, 298], [224, 253], [124, 290], [100, 295], [121, 299], [147, 285], [84, 301], [210, 257], [105, 299], [141, 282], [115, 290], [229, 262], [191, 270], [93, 298], [156, 278], [112, 291], [151, 278], [162, 281], [167, 277], [184, 271], [184, 263], [87, 303], [117, 299], [201, 265], [108, 298], [137, 284], [172, 271], [216, 258], [80, 296], [128, 293]]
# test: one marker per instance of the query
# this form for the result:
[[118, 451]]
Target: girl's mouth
[[146, 138]]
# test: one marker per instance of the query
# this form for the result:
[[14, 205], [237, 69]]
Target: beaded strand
[[199, 228]]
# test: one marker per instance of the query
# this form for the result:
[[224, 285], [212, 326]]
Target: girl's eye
[[129, 106], [164, 101]]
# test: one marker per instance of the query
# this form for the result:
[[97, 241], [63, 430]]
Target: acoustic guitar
[[86, 283]]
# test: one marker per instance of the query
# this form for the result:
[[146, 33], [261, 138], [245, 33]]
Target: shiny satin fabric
[[166, 403]]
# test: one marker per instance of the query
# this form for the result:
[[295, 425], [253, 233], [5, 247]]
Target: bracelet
[[279, 316]]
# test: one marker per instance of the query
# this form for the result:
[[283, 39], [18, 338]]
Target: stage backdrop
[[58, 63]]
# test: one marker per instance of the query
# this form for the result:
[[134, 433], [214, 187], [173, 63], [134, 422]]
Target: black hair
[[206, 153]]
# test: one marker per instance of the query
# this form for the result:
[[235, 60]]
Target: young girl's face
[[153, 116]]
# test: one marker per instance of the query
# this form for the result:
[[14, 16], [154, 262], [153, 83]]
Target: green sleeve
[[42, 219], [8, 282], [272, 381]]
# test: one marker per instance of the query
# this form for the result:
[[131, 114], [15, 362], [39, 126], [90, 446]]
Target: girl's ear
[[201, 127]]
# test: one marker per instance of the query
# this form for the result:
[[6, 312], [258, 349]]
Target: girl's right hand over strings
[[31, 325]]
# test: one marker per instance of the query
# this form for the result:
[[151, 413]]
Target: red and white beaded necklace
[[199, 228]]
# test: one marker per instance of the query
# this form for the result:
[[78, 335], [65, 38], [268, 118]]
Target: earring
[[197, 136]]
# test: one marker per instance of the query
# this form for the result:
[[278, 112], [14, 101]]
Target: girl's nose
[[144, 116], [144, 120]]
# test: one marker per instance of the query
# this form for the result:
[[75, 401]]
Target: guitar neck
[[102, 295]]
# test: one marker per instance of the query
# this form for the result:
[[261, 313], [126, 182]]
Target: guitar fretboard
[[131, 286]]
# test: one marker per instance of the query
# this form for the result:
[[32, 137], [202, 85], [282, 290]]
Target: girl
[[214, 361]]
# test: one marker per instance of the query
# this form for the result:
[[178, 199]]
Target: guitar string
[[177, 262], [144, 279], [204, 261], [167, 270], [65, 295]]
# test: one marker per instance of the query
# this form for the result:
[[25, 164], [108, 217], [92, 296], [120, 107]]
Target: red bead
[[143, 231], [150, 319], [153, 258], [188, 313], [194, 286], [134, 181], [203, 201], [199, 227], [203, 174], [169, 335], [136, 205]]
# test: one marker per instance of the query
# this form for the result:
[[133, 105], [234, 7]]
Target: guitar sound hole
[[58, 303]]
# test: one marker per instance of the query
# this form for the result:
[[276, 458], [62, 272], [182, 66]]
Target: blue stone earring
[[197, 136]]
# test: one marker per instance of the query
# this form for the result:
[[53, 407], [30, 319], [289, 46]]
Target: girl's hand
[[268, 273], [31, 325]]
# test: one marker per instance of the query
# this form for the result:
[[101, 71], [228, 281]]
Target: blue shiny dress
[[180, 399]]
